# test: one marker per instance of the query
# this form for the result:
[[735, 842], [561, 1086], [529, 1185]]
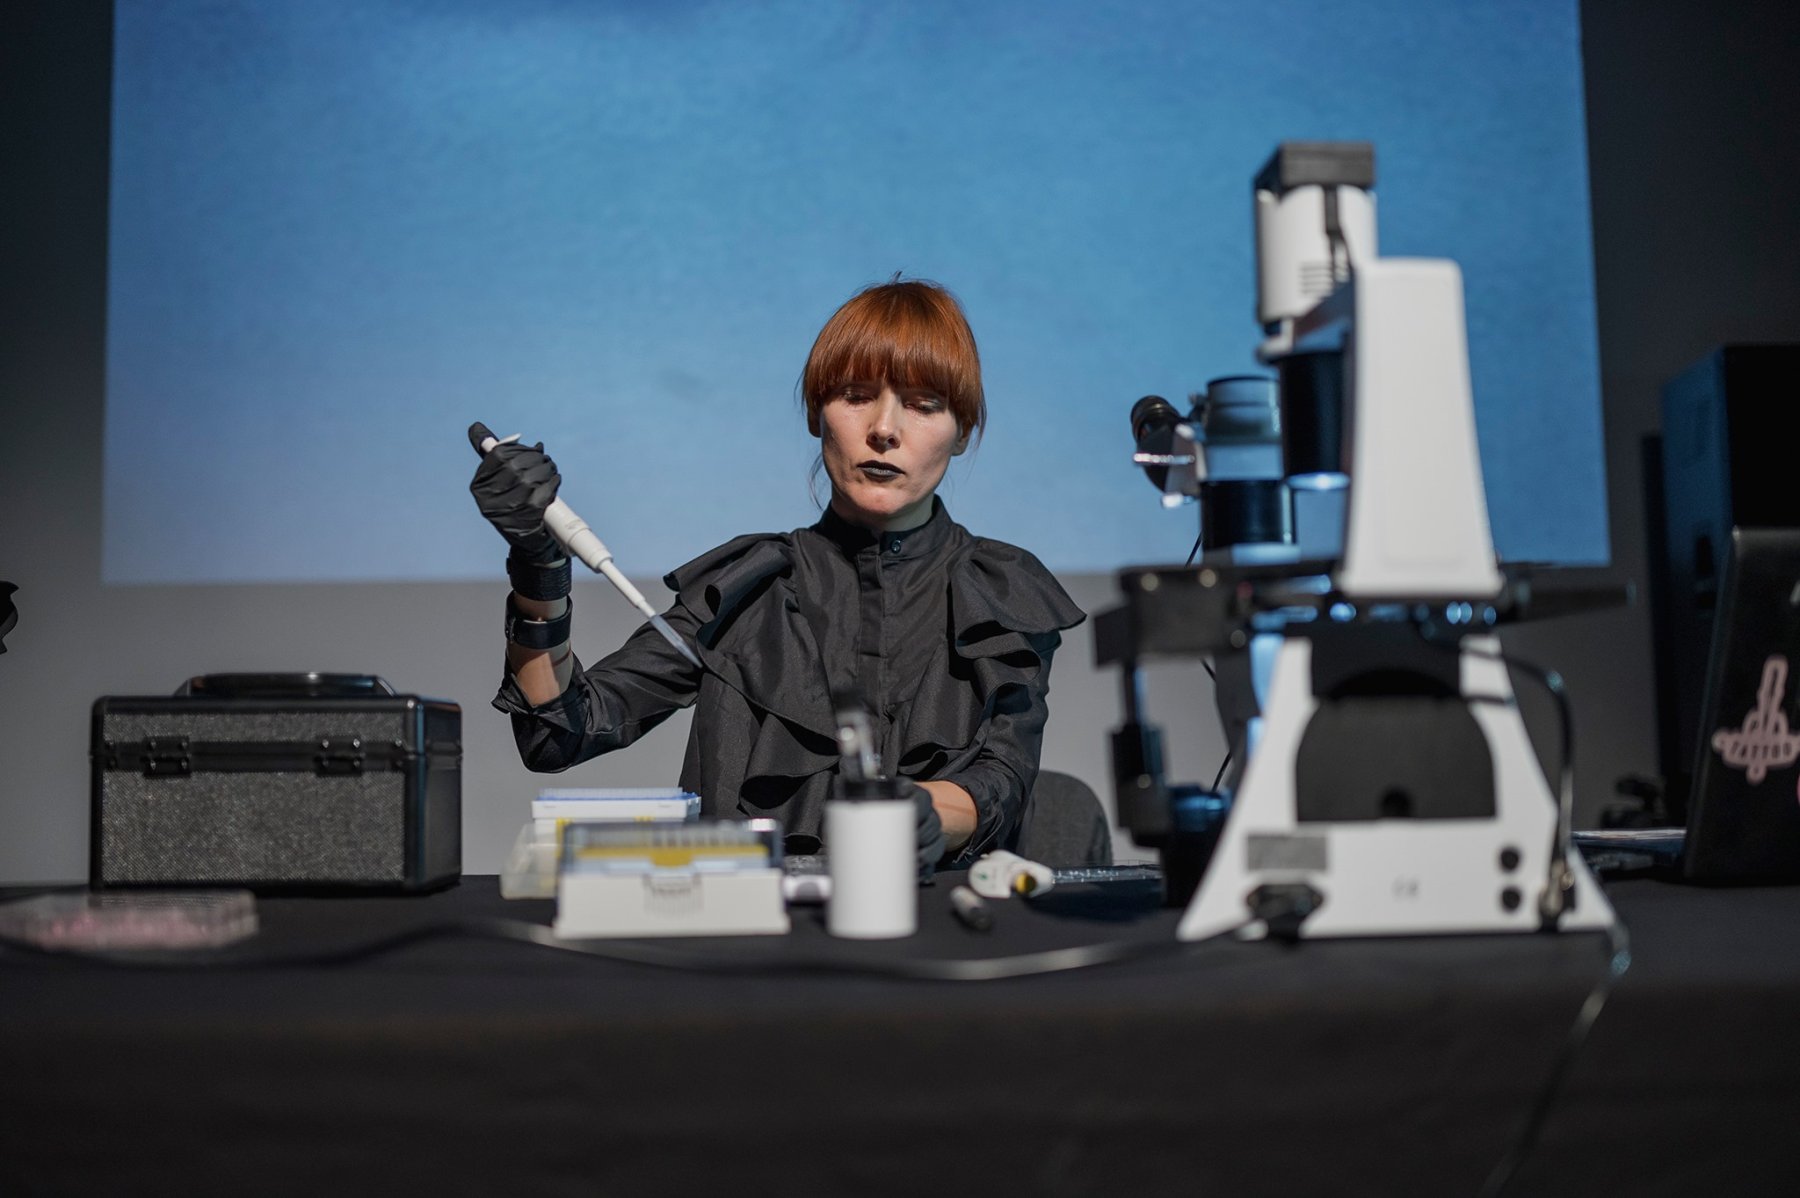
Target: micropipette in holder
[[573, 534]]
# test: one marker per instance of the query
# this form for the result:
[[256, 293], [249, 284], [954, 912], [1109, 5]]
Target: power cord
[[1618, 961], [1220, 776], [1559, 887], [650, 953], [1559, 881], [1207, 665]]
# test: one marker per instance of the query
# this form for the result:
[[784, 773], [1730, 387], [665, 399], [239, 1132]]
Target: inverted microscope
[[1382, 780]]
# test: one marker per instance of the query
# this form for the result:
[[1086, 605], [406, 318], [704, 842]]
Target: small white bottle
[[874, 868], [871, 841]]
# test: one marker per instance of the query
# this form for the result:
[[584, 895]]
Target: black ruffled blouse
[[947, 636]]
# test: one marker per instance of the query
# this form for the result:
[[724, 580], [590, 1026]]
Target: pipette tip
[[674, 638]]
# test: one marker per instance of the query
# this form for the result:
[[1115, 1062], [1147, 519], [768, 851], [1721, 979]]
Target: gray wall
[[1693, 161]]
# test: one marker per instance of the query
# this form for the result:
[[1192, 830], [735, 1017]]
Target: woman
[[947, 637]]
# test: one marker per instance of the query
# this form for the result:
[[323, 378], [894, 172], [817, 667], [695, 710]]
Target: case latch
[[340, 757], [167, 755]]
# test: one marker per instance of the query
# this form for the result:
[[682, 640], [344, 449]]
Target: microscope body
[[1416, 520], [1393, 788], [1385, 783]]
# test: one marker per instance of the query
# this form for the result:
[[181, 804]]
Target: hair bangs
[[909, 335]]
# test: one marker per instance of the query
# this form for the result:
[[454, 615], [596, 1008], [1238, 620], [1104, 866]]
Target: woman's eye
[[926, 403]]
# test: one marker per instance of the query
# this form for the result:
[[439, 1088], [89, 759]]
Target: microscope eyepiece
[[1153, 421], [1151, 414]]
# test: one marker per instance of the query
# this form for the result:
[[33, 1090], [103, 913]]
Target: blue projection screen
[[341, 230]]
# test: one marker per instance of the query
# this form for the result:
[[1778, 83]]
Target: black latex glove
[[513, 486], [931, 842]]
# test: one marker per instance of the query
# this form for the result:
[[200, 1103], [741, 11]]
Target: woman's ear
[[812, 420], [962, 443]]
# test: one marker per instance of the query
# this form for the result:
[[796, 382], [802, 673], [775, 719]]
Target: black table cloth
[[461, 1063]]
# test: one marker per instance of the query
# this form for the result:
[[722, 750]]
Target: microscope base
[[1388, 877]]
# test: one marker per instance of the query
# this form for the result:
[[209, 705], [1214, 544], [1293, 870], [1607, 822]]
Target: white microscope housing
[[1393, 788]]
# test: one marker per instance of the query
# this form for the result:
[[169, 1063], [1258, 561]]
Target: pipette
[[572, 532]]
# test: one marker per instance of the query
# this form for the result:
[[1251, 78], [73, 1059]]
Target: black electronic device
[[1724, 463], [277, 782], [9, 615], [1743, 814]]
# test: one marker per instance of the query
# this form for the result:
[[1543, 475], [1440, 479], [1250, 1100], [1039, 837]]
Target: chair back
[[1064, 824]]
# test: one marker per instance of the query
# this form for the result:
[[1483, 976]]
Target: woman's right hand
[[514, 485]]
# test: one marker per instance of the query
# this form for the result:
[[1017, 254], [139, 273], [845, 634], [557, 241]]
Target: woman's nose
[[884, 422]]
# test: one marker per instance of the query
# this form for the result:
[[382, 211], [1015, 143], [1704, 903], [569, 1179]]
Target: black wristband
[[536, 580], [528, 633]]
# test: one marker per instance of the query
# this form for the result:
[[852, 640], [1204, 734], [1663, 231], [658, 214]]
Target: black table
[[467, 1064]]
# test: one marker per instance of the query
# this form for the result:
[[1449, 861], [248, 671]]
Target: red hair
[[905, 334]]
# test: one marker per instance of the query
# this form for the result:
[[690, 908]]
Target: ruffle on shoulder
[[1001, 597], [716, 585], [752, 637], [1005, 609]]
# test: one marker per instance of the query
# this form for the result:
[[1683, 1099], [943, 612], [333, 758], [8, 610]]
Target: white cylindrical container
[[871, 847]]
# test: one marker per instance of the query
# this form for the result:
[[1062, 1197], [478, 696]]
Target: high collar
[[853, 539]]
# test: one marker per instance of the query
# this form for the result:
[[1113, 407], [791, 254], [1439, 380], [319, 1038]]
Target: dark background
[[1694, 155]]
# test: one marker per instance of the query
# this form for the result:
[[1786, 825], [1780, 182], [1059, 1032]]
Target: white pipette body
[[573, 533]]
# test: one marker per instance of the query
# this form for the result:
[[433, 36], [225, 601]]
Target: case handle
[[285, 686]]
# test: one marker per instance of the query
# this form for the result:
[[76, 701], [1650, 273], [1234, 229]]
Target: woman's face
[[885, 452]]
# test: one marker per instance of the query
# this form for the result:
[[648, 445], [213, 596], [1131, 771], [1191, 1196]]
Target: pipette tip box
[[616, 803], [712, 878]]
